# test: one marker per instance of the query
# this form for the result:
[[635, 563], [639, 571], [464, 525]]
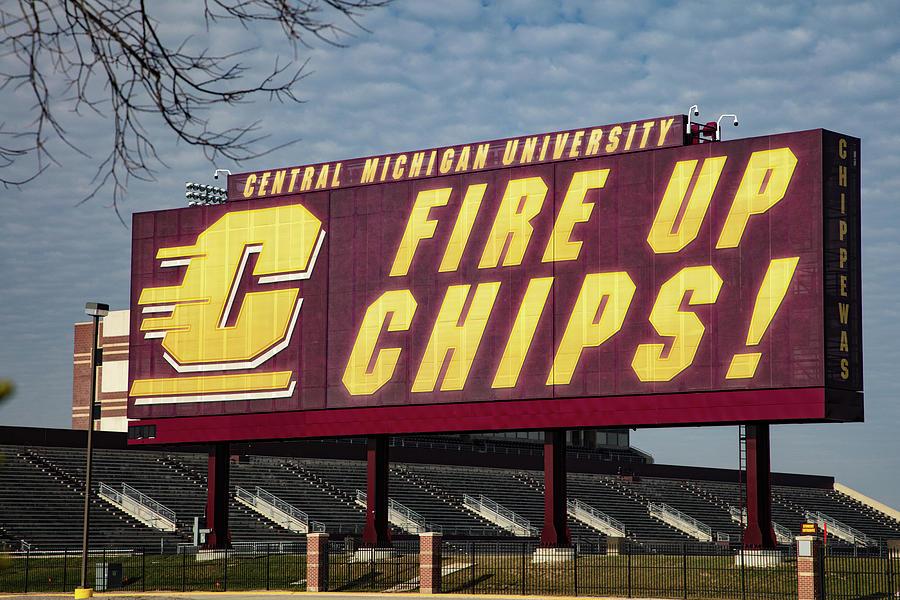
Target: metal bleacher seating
[[283, 478], [43, 505], [841, 507], [608, 495], [500, 485], [41, 499], [674, 493]]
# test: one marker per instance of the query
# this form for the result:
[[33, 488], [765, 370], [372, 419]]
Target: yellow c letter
[[395, 307]]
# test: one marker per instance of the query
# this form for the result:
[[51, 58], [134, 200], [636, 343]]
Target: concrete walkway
[[263, 595]]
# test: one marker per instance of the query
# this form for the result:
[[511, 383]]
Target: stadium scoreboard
[[605, 276]]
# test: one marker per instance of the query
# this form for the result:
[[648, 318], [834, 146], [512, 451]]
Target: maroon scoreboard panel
[[609, 276]]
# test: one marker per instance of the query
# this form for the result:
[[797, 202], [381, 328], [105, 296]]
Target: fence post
[[316, 562], [66, 568], [575, 566], [628, 562], [890, 556], [225, 576], [183, 568], [27, 556], [523, 568], [472, 562], [890, 570], [810, 583], [143, 570], [268, 552], [684, 568]]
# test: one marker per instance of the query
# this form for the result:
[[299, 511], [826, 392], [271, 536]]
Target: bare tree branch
[[106, 59]]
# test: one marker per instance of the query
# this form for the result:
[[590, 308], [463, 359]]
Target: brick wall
[[112, 392]]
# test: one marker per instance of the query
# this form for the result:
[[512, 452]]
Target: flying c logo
[[227, 315]]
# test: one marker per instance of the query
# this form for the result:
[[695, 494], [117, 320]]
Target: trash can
[[109, 576]]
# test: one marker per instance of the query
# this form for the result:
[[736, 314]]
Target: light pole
[[95, 310]]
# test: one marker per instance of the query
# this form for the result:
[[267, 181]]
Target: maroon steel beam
[[759, 532], [217, 497], [377, 533], [555, 533]]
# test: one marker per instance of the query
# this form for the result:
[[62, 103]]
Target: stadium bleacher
[[41, 499]]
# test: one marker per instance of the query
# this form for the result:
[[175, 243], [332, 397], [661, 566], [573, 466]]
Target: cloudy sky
[[428, 74]]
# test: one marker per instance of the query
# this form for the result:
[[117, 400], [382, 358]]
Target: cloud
[[434, 73]]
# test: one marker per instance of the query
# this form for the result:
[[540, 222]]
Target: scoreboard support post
[[217, 497], [555, 533], [759, 532], [377, 532]]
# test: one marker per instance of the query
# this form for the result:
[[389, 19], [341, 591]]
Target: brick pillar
[[430, 563], [316, 562], [810, 578]]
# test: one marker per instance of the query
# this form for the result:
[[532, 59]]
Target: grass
[[664, 576]]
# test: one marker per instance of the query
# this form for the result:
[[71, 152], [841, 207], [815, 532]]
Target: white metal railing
[[500, 515], [274, 508], [149, 502], [251, 548], [402, 516], [594, 518], [835, 527], [140, 506], [783, 535], [679, 520], [723, 537]]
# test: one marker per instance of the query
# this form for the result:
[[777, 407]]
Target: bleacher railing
[[679, 520], [595, 518], [250, 548], [841, 530], [500, 515], [402, 516], [783, 535], [140, 506], [279, 511]]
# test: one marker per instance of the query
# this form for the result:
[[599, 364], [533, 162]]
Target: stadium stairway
[[607, 494], [44, 506], [858, 507], [244, 524], [436, 506], [286, 480], [784, 512], [577, 529], [674, 493], [828, 502], [500, 485]]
